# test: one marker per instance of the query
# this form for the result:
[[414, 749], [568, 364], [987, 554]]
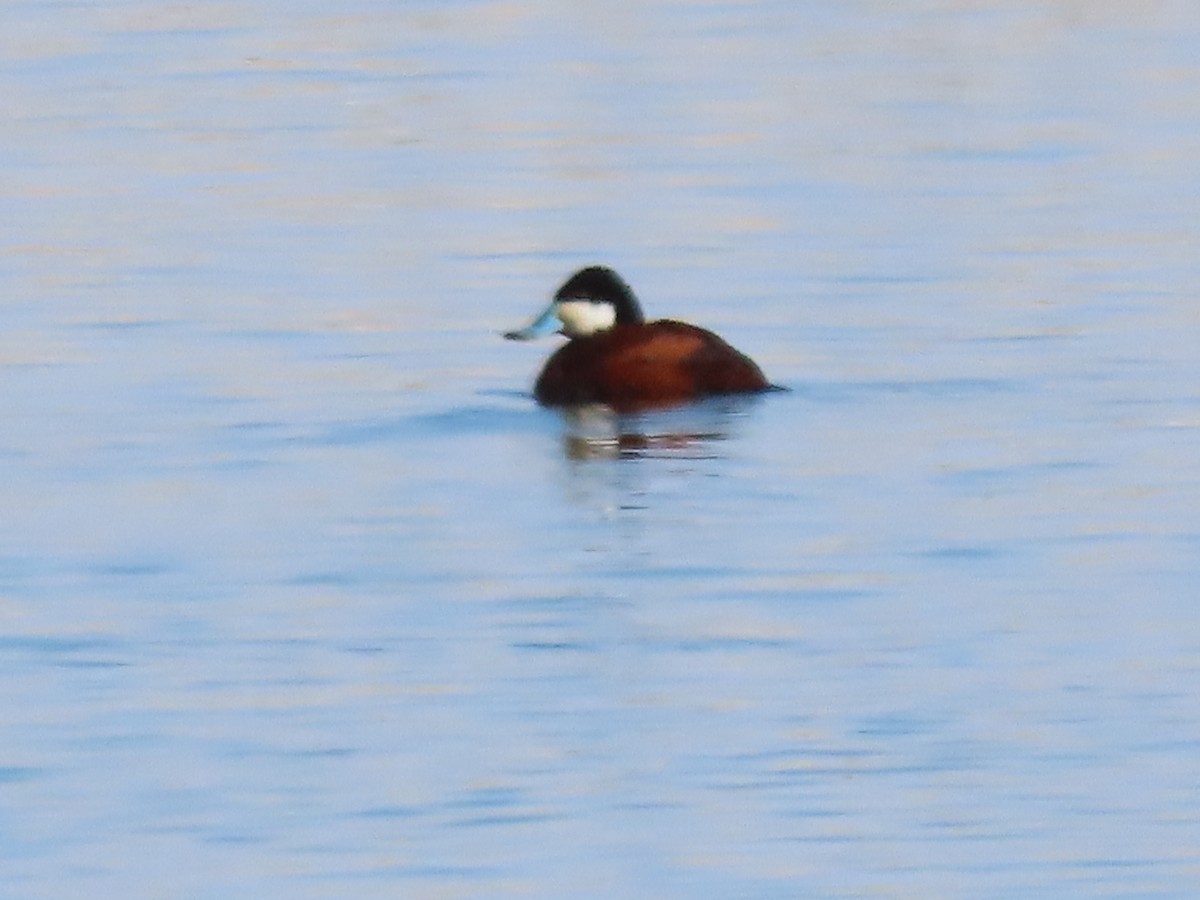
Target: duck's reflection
[[694, 431]]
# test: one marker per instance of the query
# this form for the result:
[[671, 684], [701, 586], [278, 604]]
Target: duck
[[614, 357]]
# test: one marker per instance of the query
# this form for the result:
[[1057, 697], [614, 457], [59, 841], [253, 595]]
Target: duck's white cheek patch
[[583, 317]]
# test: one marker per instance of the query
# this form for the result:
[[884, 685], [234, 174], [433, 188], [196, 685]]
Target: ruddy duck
[[615, 357]]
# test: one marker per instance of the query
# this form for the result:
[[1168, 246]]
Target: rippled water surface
[[302, 596]]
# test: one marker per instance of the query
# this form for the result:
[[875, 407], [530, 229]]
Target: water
[[302, 596]]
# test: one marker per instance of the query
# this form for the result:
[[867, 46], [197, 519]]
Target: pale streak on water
[[301, 596]]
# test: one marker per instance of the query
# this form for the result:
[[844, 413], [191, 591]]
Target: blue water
[[302, 596]]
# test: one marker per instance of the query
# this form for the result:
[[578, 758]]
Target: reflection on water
[[692, 431], [301, 594]]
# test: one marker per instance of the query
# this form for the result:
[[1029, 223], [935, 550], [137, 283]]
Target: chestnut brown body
[[646, 365]]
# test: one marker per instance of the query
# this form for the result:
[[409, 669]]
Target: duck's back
[[646, 365]]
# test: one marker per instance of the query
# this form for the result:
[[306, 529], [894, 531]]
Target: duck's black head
[[602, 286], [592, 300]]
